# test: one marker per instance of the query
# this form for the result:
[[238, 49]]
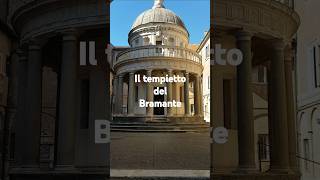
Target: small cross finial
[[158, 4]]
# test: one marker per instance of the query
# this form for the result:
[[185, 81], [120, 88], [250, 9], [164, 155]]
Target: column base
[[254, 176], [60, 173], [281, 171], [59, 177], [246, 170]]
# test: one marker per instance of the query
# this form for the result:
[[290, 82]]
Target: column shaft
[[131, 94], [245, 104], [169, 95], [290, 111], [186, 95], [120, 94], [279, 147], [197, 95], [20, 143], [67, 101], [114, 92], [149, 93], [201, 96], [11, 113], [33, 113]]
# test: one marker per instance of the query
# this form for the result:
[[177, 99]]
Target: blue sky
[[194, 13]]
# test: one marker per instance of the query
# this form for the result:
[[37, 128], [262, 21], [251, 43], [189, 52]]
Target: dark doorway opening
[[158, 110]]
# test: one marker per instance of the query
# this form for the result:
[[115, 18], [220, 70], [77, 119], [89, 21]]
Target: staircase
[[160, 126]]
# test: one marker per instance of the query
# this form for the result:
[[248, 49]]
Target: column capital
[[120, 75], [243, 35], [69, 35], [22, 55], [278, 44], [149, 72], [33, 45]]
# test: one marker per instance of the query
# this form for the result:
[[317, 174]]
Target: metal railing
[[261, 161], [158, 51]]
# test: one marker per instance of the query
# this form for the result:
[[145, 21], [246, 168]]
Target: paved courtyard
[[189, 151]]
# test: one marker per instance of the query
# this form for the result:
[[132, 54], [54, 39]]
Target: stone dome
[[158, 14]]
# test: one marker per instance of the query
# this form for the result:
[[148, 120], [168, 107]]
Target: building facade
[[263, 31], [6, 110], [159, 47], [52, 101], [204, 51], [308, 92]]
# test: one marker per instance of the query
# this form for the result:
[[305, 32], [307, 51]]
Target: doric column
[[197, 95], [20, 143], [33, 110], [11, 113], [186, 95], [245, 104], [120, 94], [67, 101], [201, 95], [131, 94], [279, 147], [149, 93], [169, 95], [114, 92], [290, 110]]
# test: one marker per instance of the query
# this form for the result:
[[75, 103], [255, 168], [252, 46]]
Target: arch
[[301, 116], [314, 118]]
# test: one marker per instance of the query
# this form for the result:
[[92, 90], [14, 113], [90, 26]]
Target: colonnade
[[280, 103], [118, 94], [29, 148]]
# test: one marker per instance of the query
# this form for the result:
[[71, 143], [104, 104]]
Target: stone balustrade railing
[[158, 51], [289, 3], [16, 4]]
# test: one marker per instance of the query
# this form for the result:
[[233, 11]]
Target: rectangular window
[[84, 116], [263, 146], [159, 42], [227, 103], [207, 52], [316, 61], [12, 146], [137, 93], [192, 108], [261, 74], [306, 149], [181, 94]]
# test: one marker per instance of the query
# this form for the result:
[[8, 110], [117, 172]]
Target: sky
[[194, 13]]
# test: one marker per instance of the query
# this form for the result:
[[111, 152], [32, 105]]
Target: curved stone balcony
[[158, 51], [34, 18], [268, 18], [158, 57]]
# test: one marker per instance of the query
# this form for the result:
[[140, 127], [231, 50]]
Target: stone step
[[157, 127], [154, 130], [160, 178], [160, 174]]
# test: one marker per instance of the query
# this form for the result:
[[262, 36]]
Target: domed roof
[[158, 14]]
